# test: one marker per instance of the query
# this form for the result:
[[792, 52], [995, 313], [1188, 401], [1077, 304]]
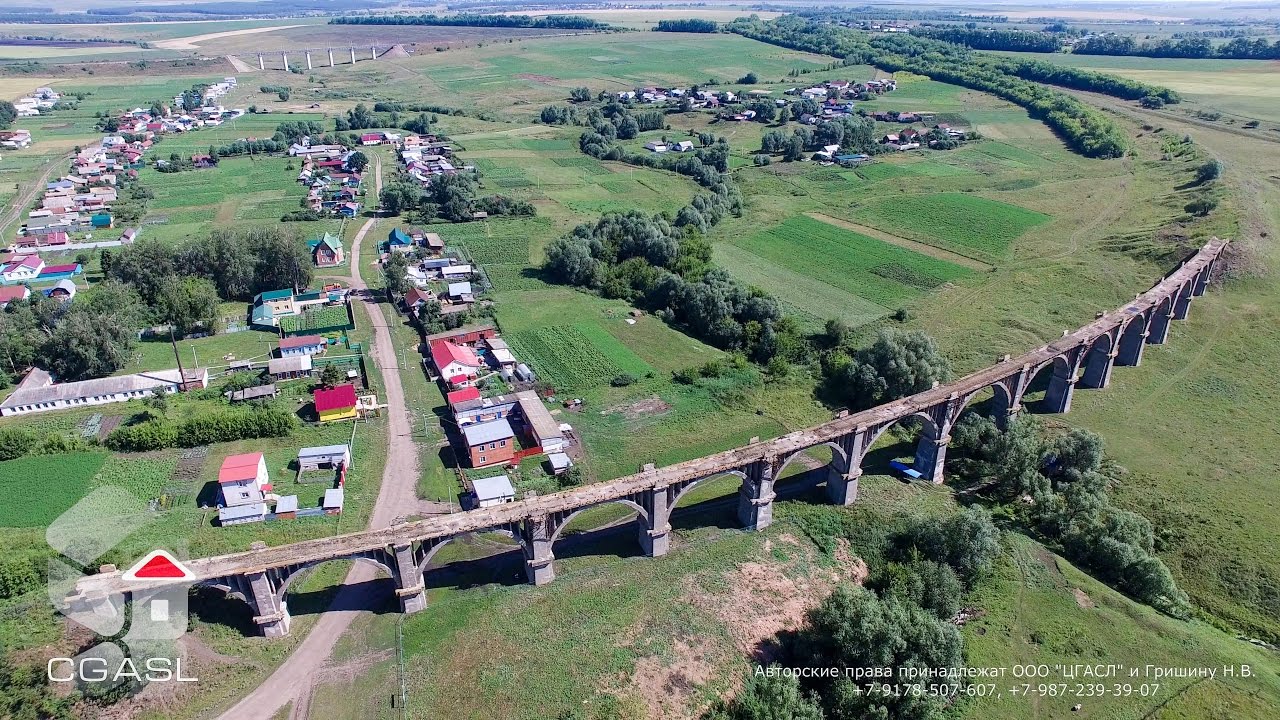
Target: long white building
[[39, 393]]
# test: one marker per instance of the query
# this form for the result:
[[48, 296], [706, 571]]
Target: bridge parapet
[[1084, 357]]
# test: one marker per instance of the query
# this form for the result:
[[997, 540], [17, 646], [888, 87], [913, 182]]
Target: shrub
[[623, 380], [14, 443]]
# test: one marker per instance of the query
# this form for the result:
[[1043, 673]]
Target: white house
[[655, 146], [28, 268], [492, 491], [243, 481], [455, 361]]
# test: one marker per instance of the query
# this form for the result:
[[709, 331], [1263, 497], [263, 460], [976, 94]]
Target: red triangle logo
[[158, 565]]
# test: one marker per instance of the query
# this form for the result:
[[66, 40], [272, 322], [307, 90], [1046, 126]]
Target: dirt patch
[[537, 78], [109, 423], [668, 688], [55, 126], [1082, 598], [640, 408]]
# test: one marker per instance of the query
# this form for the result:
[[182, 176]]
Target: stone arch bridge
[[1083, 358]]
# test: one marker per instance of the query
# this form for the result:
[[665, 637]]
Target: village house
[[539, 425], [63, 290], [337, 403], [465, 335], [289, 368], [10, 294], [302, 345], [460, 293], [318, 458], [469, 410], [243, 483], [500, 353], [15, 139], [24, 270], [457, 364], [489, 443], [327, 251], [39, 393], [398, 241], [258, 392]]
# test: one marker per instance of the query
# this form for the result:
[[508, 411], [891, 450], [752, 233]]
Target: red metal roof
[[463, 395], [56, 269], [444, 352], [237, 468], [342, 397], [13, 292], [301, 341]]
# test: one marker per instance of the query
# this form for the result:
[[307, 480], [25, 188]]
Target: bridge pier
[[330, 57], [755, 497], [1182, 305], [1202, 280], [842, 487], [262, 64], [284, 58], [411, 591], [1097, 369], [1061, 387], [931, 454], [308, 54], [270, 612], [353, 56], [373, 52], [538, 558], [655, 530]]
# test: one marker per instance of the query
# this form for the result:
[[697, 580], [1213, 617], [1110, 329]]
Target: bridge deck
[[446, 526]]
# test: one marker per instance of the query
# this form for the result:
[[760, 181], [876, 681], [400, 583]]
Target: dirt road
[[23, 200], [292, 681]]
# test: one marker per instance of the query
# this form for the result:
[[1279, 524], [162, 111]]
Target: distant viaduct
[[1082, 358]]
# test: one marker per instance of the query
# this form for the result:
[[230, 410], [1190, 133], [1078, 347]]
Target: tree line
[[1192, 47], [991, 38], [687, 25], [452, 197], [1086, 130], [549, 22], [158, 433]]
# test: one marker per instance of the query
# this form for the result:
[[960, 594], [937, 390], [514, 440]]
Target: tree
[[145, 266], [769, 696], [331, 375], [282, 260], [189, 303], [896, 365], [394, 271], [580, 94], [1201, 206], [8, 113], [748, 79], [87, 345], [399, 197], [283, 94], [1208, 172], [358, 161], [1152, 102]]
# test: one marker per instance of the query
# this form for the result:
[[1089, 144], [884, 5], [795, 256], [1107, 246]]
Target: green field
[[576, 357], [866, 268], [964, 224], [39, 489]]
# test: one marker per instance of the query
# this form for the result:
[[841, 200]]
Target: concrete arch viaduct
[[1083, 358]]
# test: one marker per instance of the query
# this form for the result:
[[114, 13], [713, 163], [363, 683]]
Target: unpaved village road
[[291, 682]]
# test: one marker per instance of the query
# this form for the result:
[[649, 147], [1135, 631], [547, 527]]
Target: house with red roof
[[371, 138], [458, 364], [302, 345], [244, 484], [16, 292], [337, 403], [464, 397]]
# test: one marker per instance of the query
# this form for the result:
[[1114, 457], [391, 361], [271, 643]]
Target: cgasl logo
[[156, 616]]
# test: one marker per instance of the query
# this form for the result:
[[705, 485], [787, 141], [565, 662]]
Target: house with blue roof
[[399, 241]]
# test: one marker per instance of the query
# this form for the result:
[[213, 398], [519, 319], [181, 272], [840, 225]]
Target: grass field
[[964, 224], [39, 489]]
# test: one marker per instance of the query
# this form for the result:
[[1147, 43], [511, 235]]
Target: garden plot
[[965, 224]]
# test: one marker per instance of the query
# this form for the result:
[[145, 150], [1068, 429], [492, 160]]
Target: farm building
[[315, 458], [290, 368], [492, 491], [254, 393], [560, 462], [243, 482], [302, 345], [500, 353], [490, 443], [538, 422], [63, 290], [398, 241], [433, 243], [38, 393], [460, 292], [338, 403], [287, 507], [465, 335], [456, 272], [333, 499]]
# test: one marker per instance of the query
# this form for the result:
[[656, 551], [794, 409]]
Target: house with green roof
[[327, 251]]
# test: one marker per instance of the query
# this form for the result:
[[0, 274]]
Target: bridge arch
[[1097, 361], [564, 522], [838, 457], [426, 557], [1133, 337], [679, 494], [929, 427], [282, 590]]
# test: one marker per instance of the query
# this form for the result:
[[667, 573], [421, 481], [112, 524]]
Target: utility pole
[[182, 374]]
